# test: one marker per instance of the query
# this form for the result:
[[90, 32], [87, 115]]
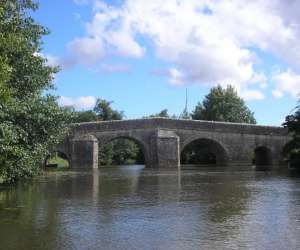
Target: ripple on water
[[137, 208]]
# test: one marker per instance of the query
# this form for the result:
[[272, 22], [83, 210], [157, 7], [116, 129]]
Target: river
[[130, 207]]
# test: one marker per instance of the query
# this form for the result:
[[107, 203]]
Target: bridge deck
[[167, 123]]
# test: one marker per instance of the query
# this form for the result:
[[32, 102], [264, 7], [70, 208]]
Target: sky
[[144, 54]]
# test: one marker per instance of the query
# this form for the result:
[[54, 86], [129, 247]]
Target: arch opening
[[262, 157], [203, 152], [293, 161], [57, 159], [122, 151]]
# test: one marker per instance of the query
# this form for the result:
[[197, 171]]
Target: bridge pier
[[84, 152], [164, 149]]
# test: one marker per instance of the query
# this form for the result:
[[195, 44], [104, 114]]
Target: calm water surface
[[134, 208]]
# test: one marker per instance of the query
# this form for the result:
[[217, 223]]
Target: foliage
[[197, 153], [84, 116], [125, 151], [60, 162], [292, 149], [104, 111], [185, 115], [30, 128], [30, 121], [163, 113], [4, 76], [106, 155], [121, 152], [223, 105]]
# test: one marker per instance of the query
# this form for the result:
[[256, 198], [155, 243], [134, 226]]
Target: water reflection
[[137, 208]]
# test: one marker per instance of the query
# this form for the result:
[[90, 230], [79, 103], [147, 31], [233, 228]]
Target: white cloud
[[102, 39], [249, 95], [286, 82], [176, 77], [55, 61], [124, 44], [82, 102], [277, 93], [202, 41], [86, 50], [263, 85], [115, 68]]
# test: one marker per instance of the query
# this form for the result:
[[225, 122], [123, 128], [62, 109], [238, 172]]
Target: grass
[[61, 163]]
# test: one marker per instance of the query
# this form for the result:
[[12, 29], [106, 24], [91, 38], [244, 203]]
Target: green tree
[[106, 154], [4, 76], [104, 111], [292, 149], [125, 152], [31, 122], [121, 152], [185, 115], [163, 113], [223, 104], [5, 69], [84, 116]]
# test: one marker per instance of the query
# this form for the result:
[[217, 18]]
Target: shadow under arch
[[204, 151], [142, 154], [262, 157], [290, 156], [57, 155]]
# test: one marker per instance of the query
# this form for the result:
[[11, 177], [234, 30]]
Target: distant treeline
[[221, 104]]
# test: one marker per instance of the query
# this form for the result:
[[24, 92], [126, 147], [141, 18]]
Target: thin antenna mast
[[186, 101], [185, 113]]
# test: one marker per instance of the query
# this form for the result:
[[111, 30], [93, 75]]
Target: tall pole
[[185, 114], [186, 100]]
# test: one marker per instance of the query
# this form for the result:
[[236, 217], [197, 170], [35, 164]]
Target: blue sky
[[143, 54]]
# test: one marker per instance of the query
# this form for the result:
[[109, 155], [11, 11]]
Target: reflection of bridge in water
[[162, 140]]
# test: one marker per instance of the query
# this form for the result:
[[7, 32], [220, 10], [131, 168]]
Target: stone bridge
[[162, 140]]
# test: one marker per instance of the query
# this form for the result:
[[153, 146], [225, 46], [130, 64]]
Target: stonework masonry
[[162, 140]]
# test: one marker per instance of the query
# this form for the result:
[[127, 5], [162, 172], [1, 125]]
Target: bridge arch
[[205, 151], [105, 141], [262, 157], [57, 155]]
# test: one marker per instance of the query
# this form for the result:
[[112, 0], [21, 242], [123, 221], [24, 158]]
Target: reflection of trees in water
[[29, 217], [227, 200], [159, 186], [115, 188], [225, 196], [58, 209]]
